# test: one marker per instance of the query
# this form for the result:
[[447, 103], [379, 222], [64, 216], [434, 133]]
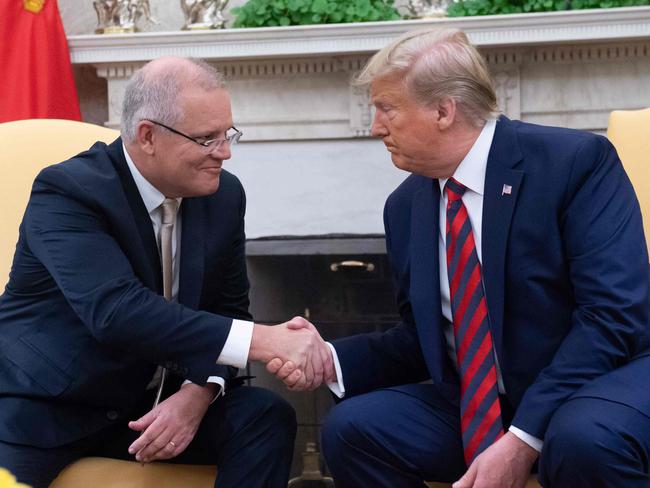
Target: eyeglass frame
[[206, 144]]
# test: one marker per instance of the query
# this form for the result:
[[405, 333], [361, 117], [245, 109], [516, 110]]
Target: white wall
[[312, 188]]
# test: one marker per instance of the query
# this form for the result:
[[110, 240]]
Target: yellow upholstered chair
[[110, 473], [26, 147], [629, 131]]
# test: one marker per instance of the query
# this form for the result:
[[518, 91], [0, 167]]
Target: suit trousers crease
[[248, 434], [403, 436]]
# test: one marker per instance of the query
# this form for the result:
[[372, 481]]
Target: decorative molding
[[289, 67], [117, 71], [508, 57], [360, 111], [117, 75], [363, 38], [508, 89], [589, 53]]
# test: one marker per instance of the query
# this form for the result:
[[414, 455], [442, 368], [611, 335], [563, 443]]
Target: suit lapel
[[192, 252], [502, 185], [425, 275], [146, 260]]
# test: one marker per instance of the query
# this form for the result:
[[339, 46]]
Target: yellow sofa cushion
[[629, 131], [112, 473], [26, 147]]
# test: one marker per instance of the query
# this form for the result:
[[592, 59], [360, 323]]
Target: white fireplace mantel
[[600, 25], [294, 82], [312, 168]]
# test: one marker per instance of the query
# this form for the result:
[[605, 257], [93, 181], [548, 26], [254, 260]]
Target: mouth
[[212, 169]]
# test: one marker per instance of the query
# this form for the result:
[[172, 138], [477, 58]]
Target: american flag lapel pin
[[507, 190]]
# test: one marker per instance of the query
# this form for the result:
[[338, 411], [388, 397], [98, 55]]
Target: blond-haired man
[[522, 283]]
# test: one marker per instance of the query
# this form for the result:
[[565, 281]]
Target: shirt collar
[[151, 196], [471, 170]]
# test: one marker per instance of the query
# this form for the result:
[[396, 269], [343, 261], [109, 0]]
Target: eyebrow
[[213, 134]]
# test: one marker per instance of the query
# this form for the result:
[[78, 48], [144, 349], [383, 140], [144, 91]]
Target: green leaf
[[285, 21], [319, 6]]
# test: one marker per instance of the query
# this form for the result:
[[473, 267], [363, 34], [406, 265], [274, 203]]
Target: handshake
[[294, 352]]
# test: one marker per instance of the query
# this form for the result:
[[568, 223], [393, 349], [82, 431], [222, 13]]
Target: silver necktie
[[169, 211]]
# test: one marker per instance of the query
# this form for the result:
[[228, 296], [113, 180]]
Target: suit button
[[112, 415]]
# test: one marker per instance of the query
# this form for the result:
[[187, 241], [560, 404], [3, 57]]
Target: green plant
[[266, 13], [461, 8]]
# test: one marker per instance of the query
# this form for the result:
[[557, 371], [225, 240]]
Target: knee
[[578, 444], [275, 410], [343, 427]]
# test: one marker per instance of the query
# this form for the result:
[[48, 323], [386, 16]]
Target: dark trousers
[[248, 434], [399, 437]]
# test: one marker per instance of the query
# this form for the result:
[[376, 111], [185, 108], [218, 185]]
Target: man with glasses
[[129, 289]]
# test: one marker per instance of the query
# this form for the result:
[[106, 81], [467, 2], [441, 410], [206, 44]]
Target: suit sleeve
[[382, 359], [231, 299], [66, 232], [608, 268]]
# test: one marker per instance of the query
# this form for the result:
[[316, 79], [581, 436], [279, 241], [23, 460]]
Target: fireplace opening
[[342, 285]]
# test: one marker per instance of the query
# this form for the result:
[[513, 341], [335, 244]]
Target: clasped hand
[[298, 356]]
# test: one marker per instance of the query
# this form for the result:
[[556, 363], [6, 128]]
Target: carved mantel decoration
[[294, 83]]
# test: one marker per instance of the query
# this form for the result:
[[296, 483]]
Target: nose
[[222, 152], [378, 128]]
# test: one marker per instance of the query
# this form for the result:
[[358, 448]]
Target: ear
[[145, 137], [446, 113]]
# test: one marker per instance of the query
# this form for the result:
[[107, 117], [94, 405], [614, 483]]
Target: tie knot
[[169, 209], [454, 189]]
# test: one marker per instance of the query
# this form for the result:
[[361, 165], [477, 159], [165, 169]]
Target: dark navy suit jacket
[[565, 270], [82, 320]]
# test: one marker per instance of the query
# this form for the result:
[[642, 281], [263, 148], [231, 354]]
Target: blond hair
[[437, 64]]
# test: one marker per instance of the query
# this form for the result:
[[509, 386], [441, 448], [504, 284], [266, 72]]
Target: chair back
[[629, 131], [26, 147]]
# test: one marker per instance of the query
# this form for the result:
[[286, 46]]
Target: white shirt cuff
[[337, 387], [238, 344], [213, 379], [533, 442]]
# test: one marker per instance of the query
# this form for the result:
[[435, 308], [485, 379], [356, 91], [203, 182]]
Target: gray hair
[[437, 64], [153, 90]]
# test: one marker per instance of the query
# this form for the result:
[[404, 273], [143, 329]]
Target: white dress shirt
[[235, 351], [471, 174]]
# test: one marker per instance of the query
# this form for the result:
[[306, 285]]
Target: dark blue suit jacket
[[565, 270], [82, 320]]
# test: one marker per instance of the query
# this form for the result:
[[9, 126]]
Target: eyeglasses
[[232, 137]]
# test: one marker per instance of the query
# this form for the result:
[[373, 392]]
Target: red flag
[[35, 73]]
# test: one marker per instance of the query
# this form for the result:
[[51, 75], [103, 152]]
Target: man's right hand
[[295, 351]]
